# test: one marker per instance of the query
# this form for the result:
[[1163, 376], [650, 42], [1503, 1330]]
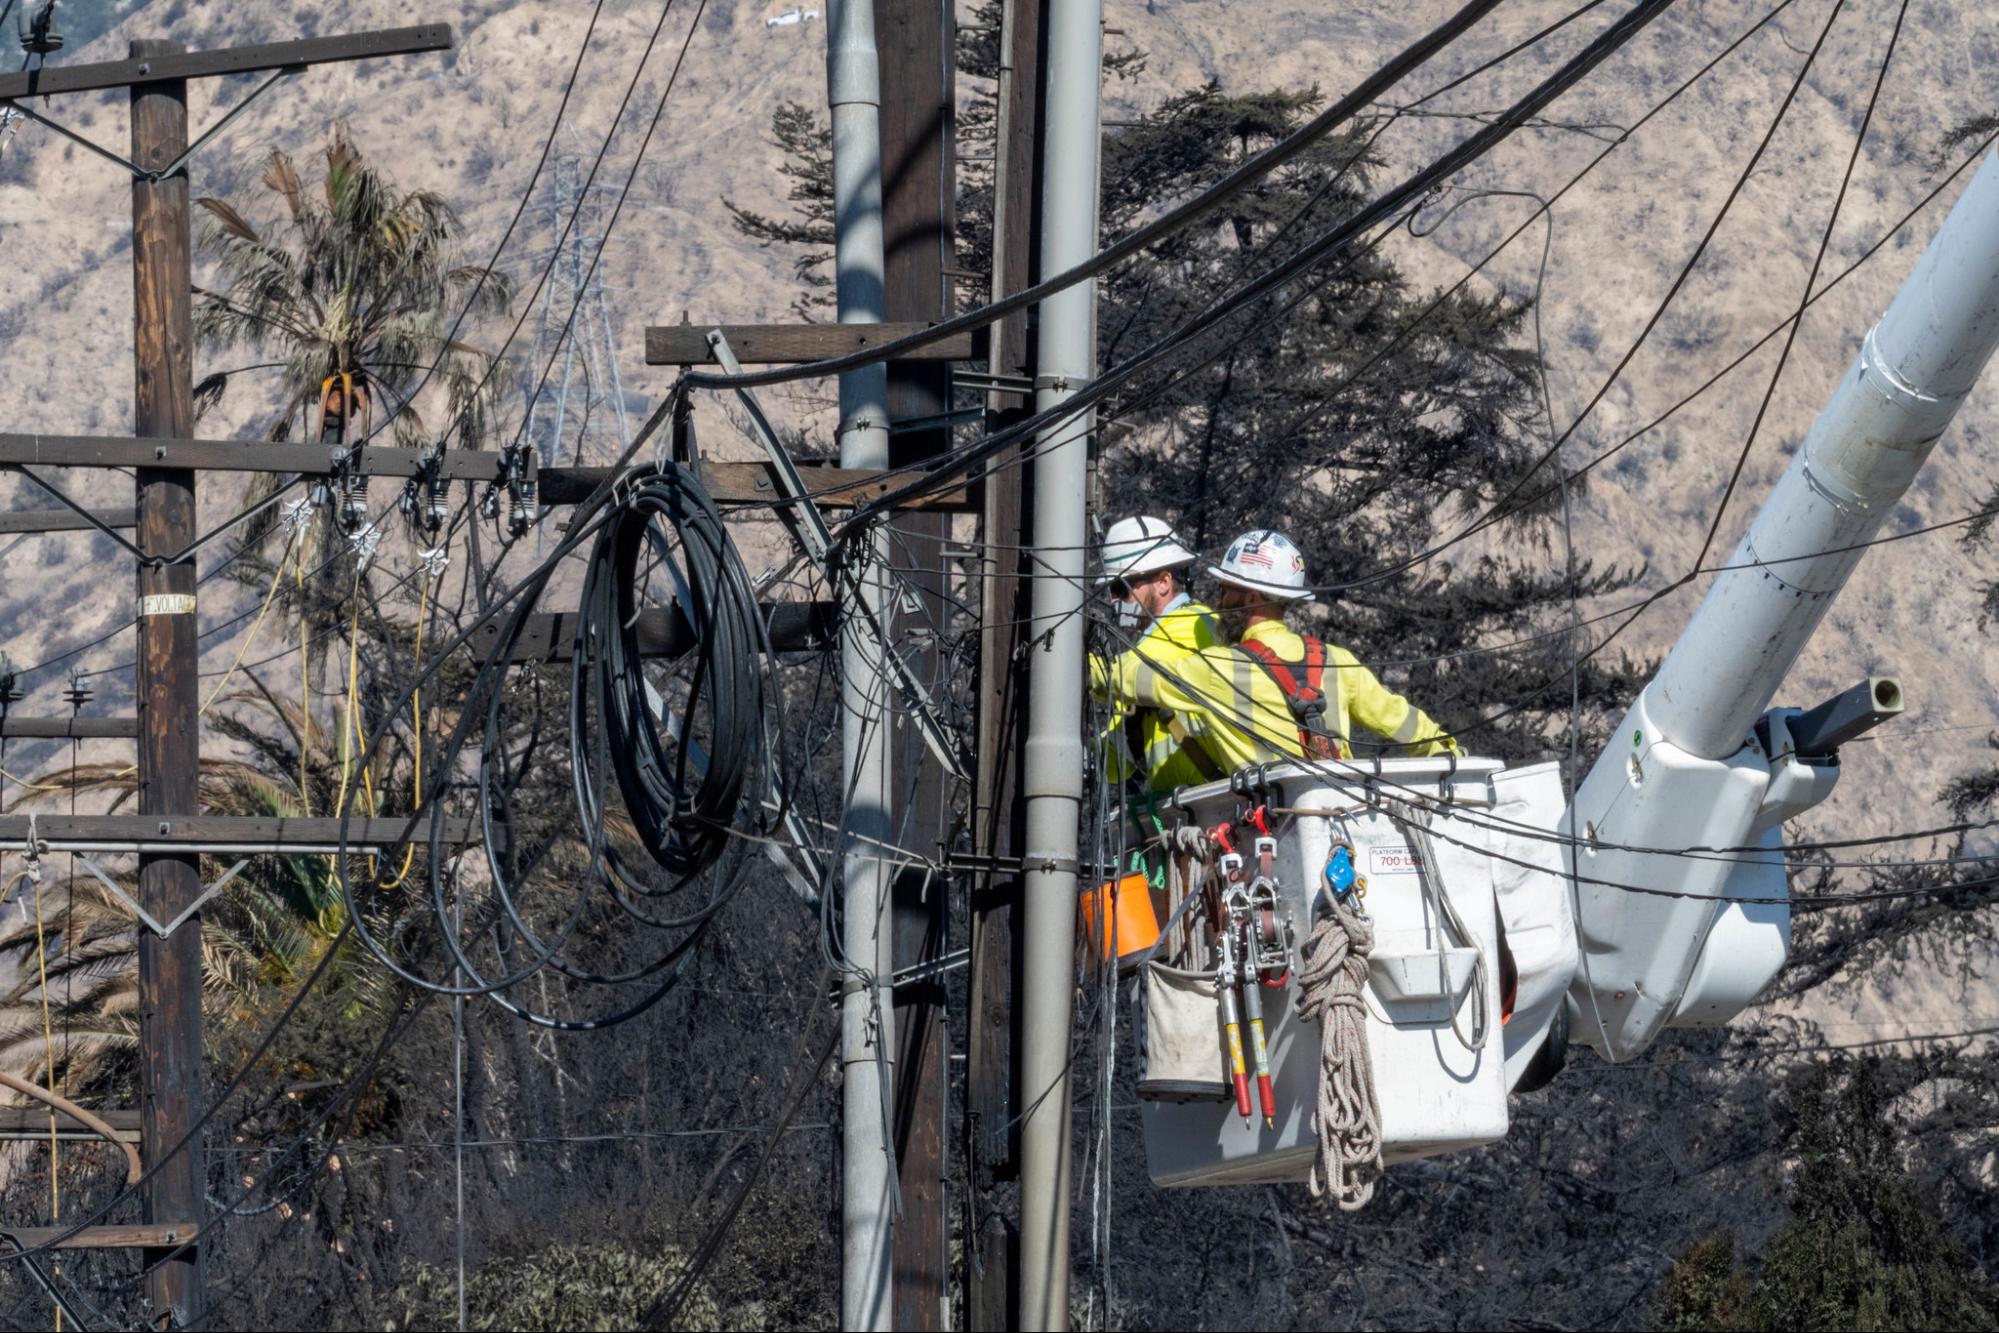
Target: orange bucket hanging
[[1134, 919]]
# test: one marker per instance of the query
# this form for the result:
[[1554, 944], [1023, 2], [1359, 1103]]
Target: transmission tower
[[582, 401]]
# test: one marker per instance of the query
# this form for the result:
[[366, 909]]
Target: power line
[[1367, 91], [520, 208], [1354, 773], [1240, 298], [1825, 241]]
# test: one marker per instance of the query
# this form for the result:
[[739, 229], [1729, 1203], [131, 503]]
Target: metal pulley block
[[523, 506], [523, 493], [436, 504], [426, 497]]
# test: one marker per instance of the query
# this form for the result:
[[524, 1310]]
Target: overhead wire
[[1176, 219], [1243, 296], [1438, 302], [1354, 772], [418, 686], [617, 121], [284, 1017], [520, 209], [1797, 320]]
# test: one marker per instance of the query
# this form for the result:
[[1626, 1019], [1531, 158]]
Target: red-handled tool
[[1230, 860], [1242, 918], [1227, 978], [1265, 845]]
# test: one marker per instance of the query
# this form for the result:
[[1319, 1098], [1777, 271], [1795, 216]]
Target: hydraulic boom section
[[1671, 941]]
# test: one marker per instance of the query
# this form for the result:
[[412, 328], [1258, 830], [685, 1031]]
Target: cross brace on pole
[[810, 526]]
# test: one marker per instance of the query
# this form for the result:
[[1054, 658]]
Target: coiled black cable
[[682, 788], [693, 772], [689, 772]]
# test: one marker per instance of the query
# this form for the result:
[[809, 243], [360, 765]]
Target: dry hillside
[[470, 124]]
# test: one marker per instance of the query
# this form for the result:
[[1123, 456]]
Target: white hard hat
[[1141, 545], [1266, 562]]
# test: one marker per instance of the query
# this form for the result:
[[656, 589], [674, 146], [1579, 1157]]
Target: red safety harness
[[1307, 696]]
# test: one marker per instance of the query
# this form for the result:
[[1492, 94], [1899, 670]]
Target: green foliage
[[562, 1287], [1864, 1247], [1704, 1290]]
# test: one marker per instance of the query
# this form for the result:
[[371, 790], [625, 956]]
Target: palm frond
[[230, 220], [282, 178]]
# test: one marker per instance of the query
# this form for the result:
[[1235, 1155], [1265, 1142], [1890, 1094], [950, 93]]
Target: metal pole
[[992, 1053], [1053, 781], [866, 1001], [168, 748]]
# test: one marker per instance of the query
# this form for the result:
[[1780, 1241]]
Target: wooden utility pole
[[165, 458], [168, 750], [991, 1268], [916, 40]]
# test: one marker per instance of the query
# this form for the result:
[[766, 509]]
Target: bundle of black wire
[[692, 774], [683, 787]]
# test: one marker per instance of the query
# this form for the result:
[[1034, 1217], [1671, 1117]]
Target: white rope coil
[[1332, 973]]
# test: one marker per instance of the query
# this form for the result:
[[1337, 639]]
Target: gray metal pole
[[1053, 781], [867, 1042]]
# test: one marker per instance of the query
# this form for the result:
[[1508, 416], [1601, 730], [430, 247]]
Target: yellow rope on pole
[[350, 719], [416, 742], [243, 649]]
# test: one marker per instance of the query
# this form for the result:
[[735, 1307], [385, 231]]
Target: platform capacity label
[[1393, 861]]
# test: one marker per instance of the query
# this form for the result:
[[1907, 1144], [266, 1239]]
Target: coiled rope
[[1332, 974]]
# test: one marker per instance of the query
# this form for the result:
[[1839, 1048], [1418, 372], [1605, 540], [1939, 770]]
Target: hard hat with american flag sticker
[[1267, 562]]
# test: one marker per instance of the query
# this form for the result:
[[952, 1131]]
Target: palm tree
[[358, 279], [86, 945], [71, 941]]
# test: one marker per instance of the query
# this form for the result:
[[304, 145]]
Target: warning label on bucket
[[1393, 861]]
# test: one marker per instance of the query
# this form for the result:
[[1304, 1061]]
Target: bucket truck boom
[[1667, 940]]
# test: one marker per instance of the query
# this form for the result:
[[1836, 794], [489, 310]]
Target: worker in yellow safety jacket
[[1268, 693], [1144, 571]]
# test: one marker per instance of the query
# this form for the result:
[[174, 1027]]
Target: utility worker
[[1270, 693], [1145, 566]]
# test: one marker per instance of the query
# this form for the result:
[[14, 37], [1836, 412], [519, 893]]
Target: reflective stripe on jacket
[[1151, 740], [1239, 713]]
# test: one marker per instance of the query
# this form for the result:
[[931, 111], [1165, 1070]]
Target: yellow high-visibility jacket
[[1152, 740], [1238, 714]]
